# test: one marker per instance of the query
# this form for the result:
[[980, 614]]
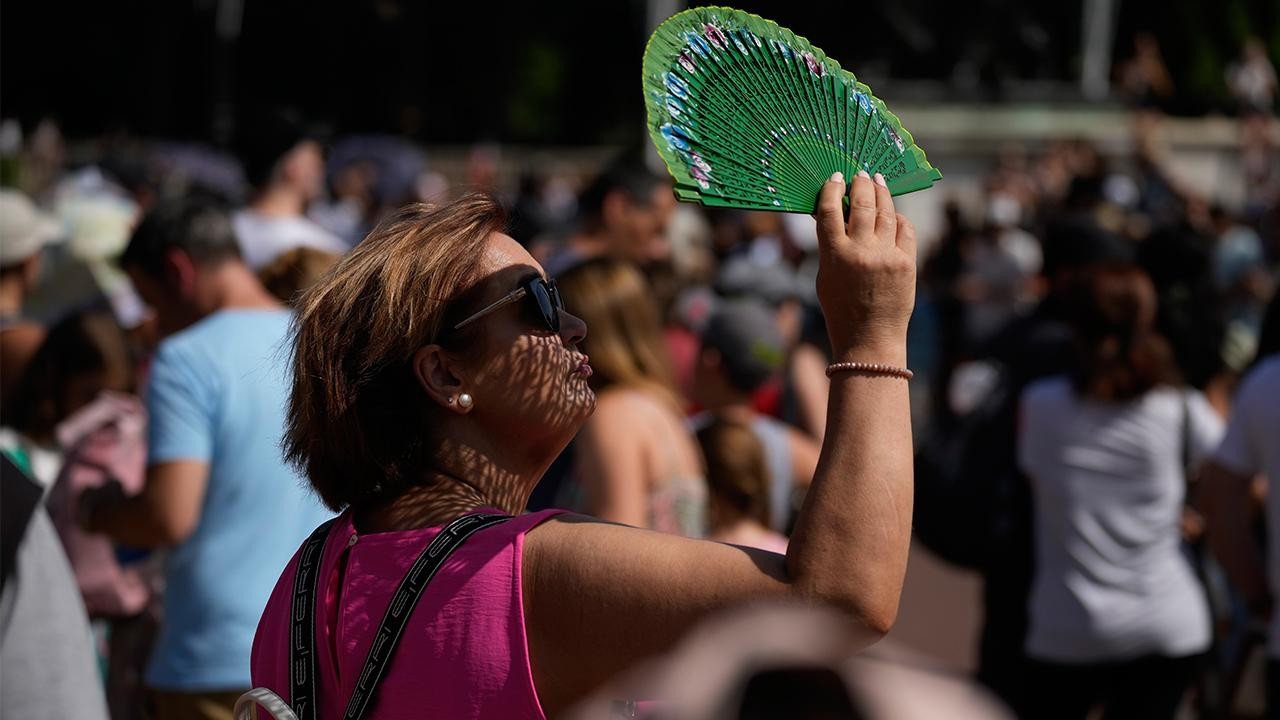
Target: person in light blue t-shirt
[[218, 493]]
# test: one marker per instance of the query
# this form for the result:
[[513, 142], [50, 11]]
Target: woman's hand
[[866, 272]]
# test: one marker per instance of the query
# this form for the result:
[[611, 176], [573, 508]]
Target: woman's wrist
[[871, 369], [882, 353]]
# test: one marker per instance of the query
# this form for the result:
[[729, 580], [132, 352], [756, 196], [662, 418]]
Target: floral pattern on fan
[[747, 114]]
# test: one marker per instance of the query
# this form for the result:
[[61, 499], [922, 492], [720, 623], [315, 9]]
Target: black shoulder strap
[[302, 626], [405, 599]]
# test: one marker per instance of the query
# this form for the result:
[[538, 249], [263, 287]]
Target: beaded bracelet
[[870, 369]]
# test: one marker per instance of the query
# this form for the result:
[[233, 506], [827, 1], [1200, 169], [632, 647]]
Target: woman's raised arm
[[600, 596]]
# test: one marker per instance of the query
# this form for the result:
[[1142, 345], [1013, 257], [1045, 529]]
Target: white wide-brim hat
[[24, 229]]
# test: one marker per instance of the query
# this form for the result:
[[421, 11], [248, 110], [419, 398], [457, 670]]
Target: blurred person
[[939, 277], [1144, 77], [1013, 175], [294, 271], [804, 400], [773, 283], [742, 349], [1004, 222], [1117, 617], [1192, 314], [805, 390], [369, 175], [623, 213], [436, 375], [1237, 252], [47, 668], [1252, 79], [782, 660], [24, 231], [991, 286], [973, 505], [189, 168], [347, 215], [739, 508], [1052, 173], [83, 357], [729, 232], [285, 166], [1245, 466], [780, 289], [1240, 273], [636, 462], [690, 237], [482, 167], [1261, 173], [44, 156], [528, 216], [1161, 202], [77, 408], [217, 492]]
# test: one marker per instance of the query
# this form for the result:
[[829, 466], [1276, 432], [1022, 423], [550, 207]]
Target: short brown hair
[[1121, 356], [358, 423]]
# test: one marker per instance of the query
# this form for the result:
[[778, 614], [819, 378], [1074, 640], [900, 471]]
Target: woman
[[1117, 617], [80, 427], [636, 461], [436, 376], [739, 481]]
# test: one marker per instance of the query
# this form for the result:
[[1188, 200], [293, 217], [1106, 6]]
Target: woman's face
[[529, 381]]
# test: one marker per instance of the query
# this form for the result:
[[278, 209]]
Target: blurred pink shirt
[[464, 653], [103, 441]]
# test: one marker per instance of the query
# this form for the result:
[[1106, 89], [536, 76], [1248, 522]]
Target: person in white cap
[[24, 231]]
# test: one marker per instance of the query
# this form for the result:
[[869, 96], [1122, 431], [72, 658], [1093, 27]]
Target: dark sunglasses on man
[[544, 295]]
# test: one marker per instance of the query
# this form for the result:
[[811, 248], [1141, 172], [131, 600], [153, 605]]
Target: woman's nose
[[573, 329]]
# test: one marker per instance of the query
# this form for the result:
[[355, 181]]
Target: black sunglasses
[[544, 294]]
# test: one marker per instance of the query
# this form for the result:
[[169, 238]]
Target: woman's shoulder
[[629, 403]]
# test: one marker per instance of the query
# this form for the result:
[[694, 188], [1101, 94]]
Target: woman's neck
[[446, 492], [429, 505]]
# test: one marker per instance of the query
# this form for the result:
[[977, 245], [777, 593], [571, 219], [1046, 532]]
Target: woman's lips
[[584, 368]]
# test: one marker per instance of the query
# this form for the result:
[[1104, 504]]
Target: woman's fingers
[[906, 239], [862, 207], [886, 217], [830, 213]]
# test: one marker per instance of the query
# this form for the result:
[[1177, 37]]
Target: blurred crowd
[[1084, 340]]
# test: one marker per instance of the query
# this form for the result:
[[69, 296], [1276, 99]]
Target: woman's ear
[[436, 372]]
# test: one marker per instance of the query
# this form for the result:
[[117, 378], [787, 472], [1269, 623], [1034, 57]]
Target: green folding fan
[[748, 115]]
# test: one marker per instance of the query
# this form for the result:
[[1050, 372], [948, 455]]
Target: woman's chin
[[585, 398]]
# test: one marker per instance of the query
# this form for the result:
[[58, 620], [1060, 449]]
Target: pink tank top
[[464, 653]]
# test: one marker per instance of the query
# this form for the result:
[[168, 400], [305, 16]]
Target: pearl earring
[[465, 400]]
